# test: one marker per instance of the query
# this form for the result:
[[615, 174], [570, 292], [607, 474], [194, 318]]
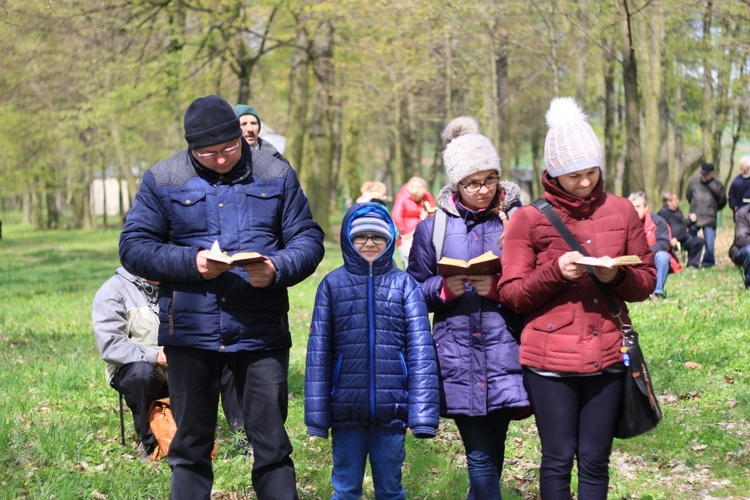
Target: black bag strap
[[544, 207]]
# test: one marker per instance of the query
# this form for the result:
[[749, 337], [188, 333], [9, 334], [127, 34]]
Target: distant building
[[109, 186]]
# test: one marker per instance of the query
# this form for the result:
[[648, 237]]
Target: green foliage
[[59, 426]]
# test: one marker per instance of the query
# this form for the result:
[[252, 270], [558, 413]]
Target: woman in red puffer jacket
[[570, 345]]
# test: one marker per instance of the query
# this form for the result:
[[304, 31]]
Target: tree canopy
[[362, 89]]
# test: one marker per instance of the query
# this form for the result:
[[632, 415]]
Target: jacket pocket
[[552, 323], [449, 359], [336, 373], [189, 212], [263, 206], [405, 373]]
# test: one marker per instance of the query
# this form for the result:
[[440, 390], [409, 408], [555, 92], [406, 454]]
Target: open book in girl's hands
[[609, 262], [238, 259], [487, 263]]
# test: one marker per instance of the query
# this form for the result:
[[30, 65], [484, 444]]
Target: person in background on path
[[480, 378], [659, 239], [681, 237], [570, 344], [739, 189], [213, 314], [371, 370], [250, 124], [706, 196], [739, 252], [373, 192], [125, 318], [412, 205]]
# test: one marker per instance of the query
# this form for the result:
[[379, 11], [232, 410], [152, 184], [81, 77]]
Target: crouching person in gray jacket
[[126, 325], [125, 317]]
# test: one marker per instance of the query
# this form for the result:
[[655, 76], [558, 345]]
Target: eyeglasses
[[224, 152], [361, 239], [474, 186]]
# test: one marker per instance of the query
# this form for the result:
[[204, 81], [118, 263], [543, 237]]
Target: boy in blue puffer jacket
[[371, 365]]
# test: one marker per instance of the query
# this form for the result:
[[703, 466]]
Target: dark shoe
[[657, 296]]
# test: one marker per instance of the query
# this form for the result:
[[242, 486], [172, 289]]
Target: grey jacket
[[706, 199], [126, 322]]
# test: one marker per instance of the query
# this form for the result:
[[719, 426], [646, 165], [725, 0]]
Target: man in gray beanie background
[[221, 192], [251, 124]]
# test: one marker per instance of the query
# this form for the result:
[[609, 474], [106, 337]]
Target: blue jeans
[[351, 445], [194, 386], [575, 417], [709, 235], [484, 442], [661, 261], [743, 259]]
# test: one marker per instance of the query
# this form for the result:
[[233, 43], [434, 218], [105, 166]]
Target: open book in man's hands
[[609, 262], [487, 263], [238, 259]]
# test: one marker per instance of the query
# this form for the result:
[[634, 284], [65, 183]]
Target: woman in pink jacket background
[[413, 204], [570, 344]]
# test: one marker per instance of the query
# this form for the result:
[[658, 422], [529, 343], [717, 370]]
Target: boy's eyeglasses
[[224, 152], [361, 239], [474, 186]]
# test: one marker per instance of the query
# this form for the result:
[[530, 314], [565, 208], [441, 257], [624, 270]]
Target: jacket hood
[[353, 261]]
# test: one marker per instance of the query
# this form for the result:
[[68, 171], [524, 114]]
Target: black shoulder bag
[[640, 409]]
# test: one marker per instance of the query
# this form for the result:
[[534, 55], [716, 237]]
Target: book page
[[609, 262]]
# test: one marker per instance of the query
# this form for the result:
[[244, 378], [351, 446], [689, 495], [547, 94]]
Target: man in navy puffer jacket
[[371, 367], [212, 313]]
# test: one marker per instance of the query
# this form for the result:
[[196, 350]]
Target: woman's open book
[[609, 262]]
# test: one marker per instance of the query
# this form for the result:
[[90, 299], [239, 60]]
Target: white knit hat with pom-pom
[[571, 144], [467, 151]]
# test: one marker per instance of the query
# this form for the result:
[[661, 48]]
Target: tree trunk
[[610, 156], [503, 119], [633, 178], [319, 178], [298, 96], [707, 109]]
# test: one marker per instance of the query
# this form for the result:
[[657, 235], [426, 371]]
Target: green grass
[[59, 426]]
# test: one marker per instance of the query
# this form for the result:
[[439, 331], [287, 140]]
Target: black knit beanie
[[210, 120]]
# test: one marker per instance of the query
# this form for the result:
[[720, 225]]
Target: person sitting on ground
[[659, 240], [739, 252], [412, 205], [678, 224], [371, 368], [125, 317], [250, 124]]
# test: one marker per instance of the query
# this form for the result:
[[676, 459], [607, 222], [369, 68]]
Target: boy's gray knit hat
[[571, 144], [370, 223]]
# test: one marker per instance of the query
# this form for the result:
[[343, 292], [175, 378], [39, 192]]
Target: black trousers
[[261, 379], [140, 384], [576, 419], [694, 246]]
